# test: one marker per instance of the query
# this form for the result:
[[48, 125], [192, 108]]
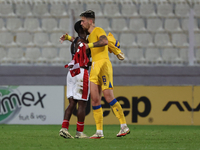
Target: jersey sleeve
[[100, 32]]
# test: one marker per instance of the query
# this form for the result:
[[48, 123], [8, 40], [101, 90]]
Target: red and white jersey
[[80, 59]]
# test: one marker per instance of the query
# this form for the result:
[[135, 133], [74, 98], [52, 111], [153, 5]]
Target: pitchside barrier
[[151, 105], [145, 105], [31, 104]]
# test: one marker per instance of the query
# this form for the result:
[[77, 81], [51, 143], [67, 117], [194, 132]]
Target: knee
[[96, 102]]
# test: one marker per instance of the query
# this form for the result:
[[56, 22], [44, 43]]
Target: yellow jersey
[[98, 53]]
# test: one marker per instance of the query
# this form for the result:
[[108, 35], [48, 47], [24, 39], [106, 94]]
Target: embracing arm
[[66, 37], [103, 41]]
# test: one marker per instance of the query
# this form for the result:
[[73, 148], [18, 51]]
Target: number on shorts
[[104, 79]]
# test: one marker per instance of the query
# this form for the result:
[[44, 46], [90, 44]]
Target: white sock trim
[[123, 125], [100, 131]]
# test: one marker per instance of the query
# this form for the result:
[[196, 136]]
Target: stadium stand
[[149, 32]]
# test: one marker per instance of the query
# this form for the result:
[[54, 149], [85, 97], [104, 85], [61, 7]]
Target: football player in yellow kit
[[101, 75]]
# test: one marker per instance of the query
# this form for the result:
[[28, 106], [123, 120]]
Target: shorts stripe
[[85, 84]]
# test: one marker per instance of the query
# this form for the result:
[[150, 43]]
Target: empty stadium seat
[[183, 55], [32, 54], [185, 25], [77, 7], [147, 10], [103, 23], [15, 54], [129, 9], [2, 25], [54, 39], [24, 39], [197, 10], [65, 54], [172, 25], [111, 10], [119, 24], [169, 55], [162, 40], [23, 10], [197, 55], [180, 40], [165, 9], [135, 55], [96, 7], [64, 24], [6, 39], [127, 40], [145, 40], [32, 24], [49, 53], [49, 24], [152, 55], [197, 40], [58, 10], [154, 24], [6, 9], [14, 24], [137, 25], [182, 9], [41, 39], [40, 9], [2, 53]]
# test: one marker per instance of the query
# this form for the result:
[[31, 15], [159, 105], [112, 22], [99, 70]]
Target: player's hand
[[121, 56], [86, 46], [62, 38]]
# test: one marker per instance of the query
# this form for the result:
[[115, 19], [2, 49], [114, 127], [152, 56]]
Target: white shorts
[[78, 86]]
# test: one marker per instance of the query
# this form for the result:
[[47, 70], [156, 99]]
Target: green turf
[[45, 137]]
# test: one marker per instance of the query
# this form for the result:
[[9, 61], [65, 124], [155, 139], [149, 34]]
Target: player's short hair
[[78, 26], [88, 14]]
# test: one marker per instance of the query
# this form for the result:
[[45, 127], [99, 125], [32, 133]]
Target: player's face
[[85, 23]]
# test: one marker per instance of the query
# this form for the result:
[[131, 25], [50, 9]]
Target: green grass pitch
[[142, 137]]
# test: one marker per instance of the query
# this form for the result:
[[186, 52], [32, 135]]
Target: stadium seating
[[6, 10], [14, 24], [162, 40], [137, 25], [152, 56], [172, 25], [135, 55], [32, 55], [97, 7], [32, 25], [182, 9], [170, 55], [147, 10], [23, 10], [129, 10], [154, 25], [58, 10], [65, 55], [150, 32], [24, 39], [127, 40], [111, 10]]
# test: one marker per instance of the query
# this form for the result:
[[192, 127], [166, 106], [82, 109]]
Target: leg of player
[[95, 93], [68, 113], [118, 111], [81, 117]]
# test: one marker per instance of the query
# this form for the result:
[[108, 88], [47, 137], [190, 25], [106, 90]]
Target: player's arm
[[66, 37], [103, 41]]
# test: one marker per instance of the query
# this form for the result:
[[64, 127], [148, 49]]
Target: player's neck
[[91, 28]]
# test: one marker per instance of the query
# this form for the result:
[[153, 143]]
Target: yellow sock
[[119, 112], [98, 117]]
